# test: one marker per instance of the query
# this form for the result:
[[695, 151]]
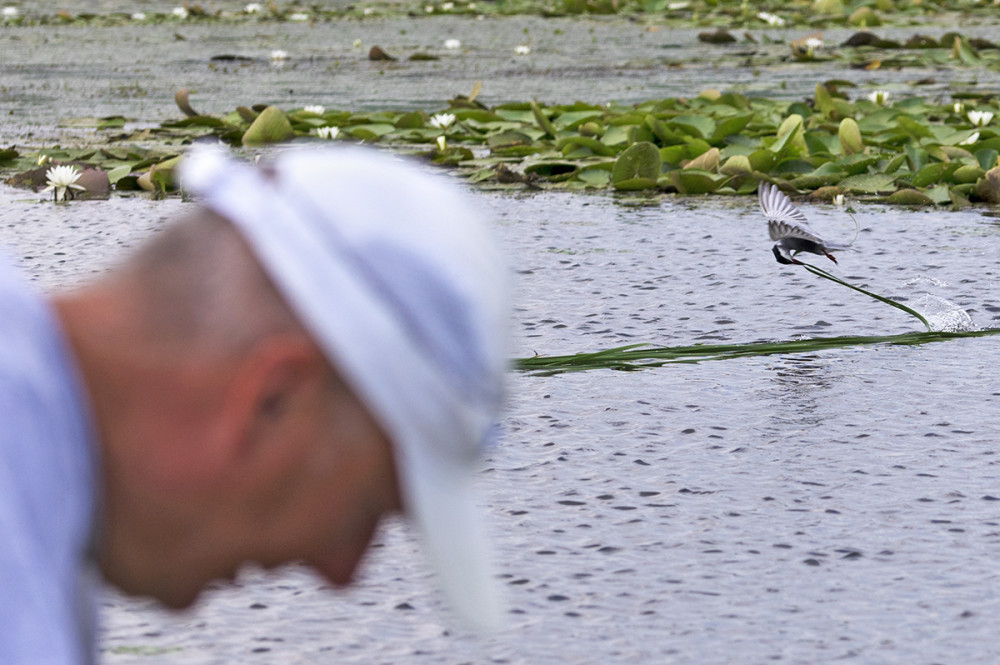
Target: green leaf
[[850, 137], [694, 125], [868, 183], [119, 172], [693, 181], [638, 167], [730, 126], [542, 119], [987, 157], [271, 126], [594, 177]]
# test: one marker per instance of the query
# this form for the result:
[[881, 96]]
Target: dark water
[[842, 505]]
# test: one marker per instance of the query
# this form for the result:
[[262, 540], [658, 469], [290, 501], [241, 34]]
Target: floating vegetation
[[643, 356], [908, 151], [731, 13]]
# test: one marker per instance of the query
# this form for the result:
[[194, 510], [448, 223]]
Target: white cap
[[394, 273]]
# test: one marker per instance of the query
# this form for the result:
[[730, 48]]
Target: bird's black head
[[781, 258]]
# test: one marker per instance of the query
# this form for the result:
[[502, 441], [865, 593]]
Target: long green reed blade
[[635, 357], [822, 273]]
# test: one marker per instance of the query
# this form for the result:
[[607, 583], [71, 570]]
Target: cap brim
[[440, 499]]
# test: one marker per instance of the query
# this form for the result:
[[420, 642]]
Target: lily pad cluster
[[914, 151]]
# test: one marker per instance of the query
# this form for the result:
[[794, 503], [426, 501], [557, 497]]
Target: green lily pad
[[542, 119], [850, 137], [271, 126], [693, 181], [910, 197], [699, 126], [638, 167], [967, 173], [868, 183]]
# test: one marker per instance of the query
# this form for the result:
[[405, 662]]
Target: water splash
[[925, 279], [944, 315]]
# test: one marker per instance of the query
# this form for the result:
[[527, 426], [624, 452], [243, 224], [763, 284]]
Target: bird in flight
[[787, 225]]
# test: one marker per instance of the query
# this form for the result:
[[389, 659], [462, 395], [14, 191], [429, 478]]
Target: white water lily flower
[[62, 178], [958, 108], [429, 9], [452, 44], [442, 120], [674, 6], [180, 12], [253, 8], [522, 49], [357, 43], [969, 141], [771, 19], [838, 200], [298, 17], [980, 118], [10, 12], [41, 160], [447, 6], [278, 54], [314, 108], [368, 11], [813, 43], [139, 16], [442, 143], [880, 97], [328, 132]]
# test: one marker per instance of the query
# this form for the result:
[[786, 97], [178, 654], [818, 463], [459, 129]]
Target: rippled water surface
[[835, 506]]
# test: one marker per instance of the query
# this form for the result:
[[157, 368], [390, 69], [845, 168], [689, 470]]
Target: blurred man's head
[[319, 344]]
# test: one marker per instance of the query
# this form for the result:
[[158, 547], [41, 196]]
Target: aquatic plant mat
[[644, 356], [913, 151]]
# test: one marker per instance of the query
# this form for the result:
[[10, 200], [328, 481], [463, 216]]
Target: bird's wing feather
[[784, 220]]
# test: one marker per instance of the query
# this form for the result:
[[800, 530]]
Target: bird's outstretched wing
[[784, 220]]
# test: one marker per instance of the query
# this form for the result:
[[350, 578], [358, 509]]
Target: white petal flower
[[139, 16], [522, 49], [429, 9], [314, 108], [813, 43], [880, 97], [771, 19], [357, 43], [980, 118], [41, 160], [442, 120], [958, 108], [328, 132], [10, 12], [298, 17], [253, 8], [368, 11], [442, 143], [969, 141], [674, 6], [838, 200], [180, 12], [62, 178], [278, 54], [447, 6], [452, 44]]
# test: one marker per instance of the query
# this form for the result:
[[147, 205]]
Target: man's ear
[[270, 388]]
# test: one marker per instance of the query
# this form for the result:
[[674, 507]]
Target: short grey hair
[[205, 289]]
